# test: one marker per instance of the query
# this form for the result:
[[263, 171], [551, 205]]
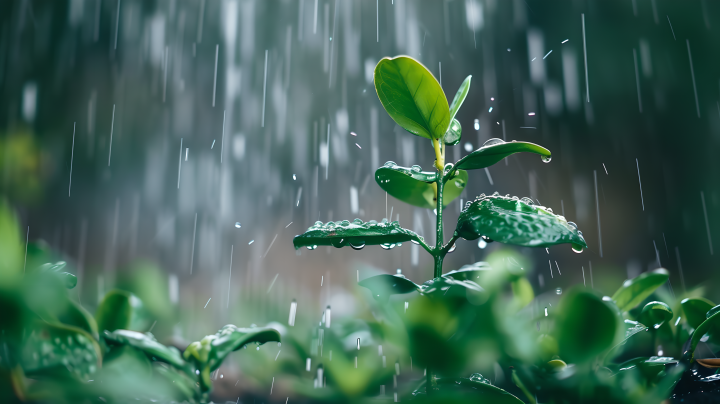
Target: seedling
[[414, 100]]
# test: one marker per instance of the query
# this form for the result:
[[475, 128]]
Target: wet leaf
[[631, 328], [412, 96], [120, 310], [416, 187], [648, 367], [58, 349], [384, 285], [711, 323], [695, 310], [146, 343], [68, 280], [654, 314], [495, 150], [634, 291], [469, 272], [460, 95], [209, 353], [357, 234], [176, 382], [586, 326], [476, 388], [516, 221], [454, 133], [448, 287]]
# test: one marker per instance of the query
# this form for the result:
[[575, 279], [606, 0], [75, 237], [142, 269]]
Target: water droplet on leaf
[[492, 142], [577, 248], [546, 159]]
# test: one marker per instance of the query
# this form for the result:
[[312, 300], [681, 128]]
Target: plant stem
[[439, 156], [439, 254], [428, 381]]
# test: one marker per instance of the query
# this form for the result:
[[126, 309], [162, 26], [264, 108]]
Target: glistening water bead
[[238, 225]]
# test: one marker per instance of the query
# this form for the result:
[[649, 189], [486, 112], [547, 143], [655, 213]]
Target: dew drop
[[357, 245], [573, 225], [468, 147], [486, 239], [482, 243], [577, 248], [546, 159], [311, 247], [390, 164], [459, 184], [477, 124], [452, 248], [527, 201], [238, 225], [493, 142], [294, 177], [416, 168], [558, 291]]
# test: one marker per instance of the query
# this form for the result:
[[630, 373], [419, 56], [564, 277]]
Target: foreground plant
[[416, 102]]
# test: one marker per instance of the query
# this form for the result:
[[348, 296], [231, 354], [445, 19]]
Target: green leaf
[[634, 291], [52, 349], [695, 310], [146, 343], [516, 221], [357, 235], [454, 133], [462, 92], [495, 150], [522, 291], [586, 326], [412, 96], [182, 384], [68, 280], [416, 187], [120, 310], [654, 314], [470, 272], [209, 353], [476, 387], [632, 328], [648, 367], [384, 285], [76, 315], [446, 287]]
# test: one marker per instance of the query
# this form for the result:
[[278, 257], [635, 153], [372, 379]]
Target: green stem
[[428, 381], [439, 254]]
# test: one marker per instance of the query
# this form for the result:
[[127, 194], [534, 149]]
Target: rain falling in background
[[192, 140]]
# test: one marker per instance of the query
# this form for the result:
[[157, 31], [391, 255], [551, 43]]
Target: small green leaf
[[469, 272], [634, 291], [57, 348], [495, 150], [209, 353], [516, 221], [76, 315], [462, 92], [654, 314], [412, 96], [146, 343], [454, 133], [631, 328], [695, 310], [477, 388], [69, 280], [384, 285], [586, 326], [445, 286], [357, 235], [648, 367], [522, 291], [120, 310], [416, 187]]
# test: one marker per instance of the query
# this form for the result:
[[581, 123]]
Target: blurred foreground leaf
[[634, 291], [586, 326], [655, 314]]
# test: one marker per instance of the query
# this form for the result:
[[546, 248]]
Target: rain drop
[[357, 245], [482, 243], [238, 225], [294, 177], [468, 147], [577, 248], [546, 159], [452, 248], [558, 291], [416, 168], [477, 124], [493, 142]]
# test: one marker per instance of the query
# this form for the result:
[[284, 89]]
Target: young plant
[[414, 99]]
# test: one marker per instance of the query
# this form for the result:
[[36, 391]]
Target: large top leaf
[[495, 150], [633, 291], [357, 234], [516, 221], [412, 97], [416, 187]]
